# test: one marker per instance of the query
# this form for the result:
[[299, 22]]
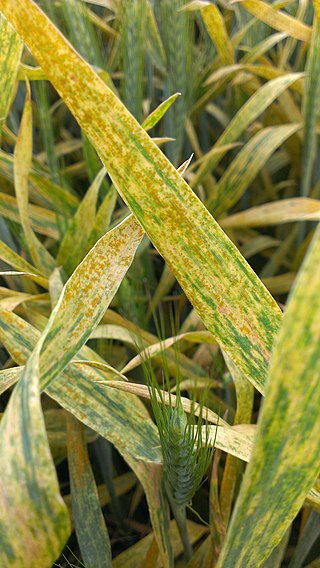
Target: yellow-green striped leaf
[[277, 19], [10, 54], [120, 419], [34, 522], [87, 294], [42, 220], [244, 168], [75, 242], [8, 377], [20, 264], [253, 108], [159, 112], [216, 27], [22, 164], [285, 461], [206, 263], [275, 213], [87, 395], [90, 526], [310, 113]]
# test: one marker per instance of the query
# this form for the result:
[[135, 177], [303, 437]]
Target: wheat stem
[[180, 515]]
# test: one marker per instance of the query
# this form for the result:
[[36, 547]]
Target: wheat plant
[[158, 155]]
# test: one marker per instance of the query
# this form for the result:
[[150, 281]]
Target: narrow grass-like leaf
[[75, 242], [22, 164], [34, 522], [10, 54], [246, 166], [254, 107], [165, 284], [103, 217], [177, 35], [154, 39], [159, 112], [42, 220], [263, 47], [184, 166], [277, 19], [231, 440], [310, 112], [90, 526], [268, 72], [216, 27], [285, 463], [275, 213], [87, 294], [156, 348], [187, 405], [122, 330], [310, 534], [79, 392], [122, 484], [280, 284], [50, 154], [316, 7], [133, 15], [13, 300], [17, 262], [8, 377], [117, 417], [232, 469], [82, 32], [206, 263]]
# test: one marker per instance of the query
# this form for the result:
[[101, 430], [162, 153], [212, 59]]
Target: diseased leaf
[[310, 112], [103, 217], [310, 109], [34, 522], [21, 265], [277, 19], [90, 526], [10, 54], [157, 348], [87, 395], [75, 242], [42, 220], [206, 263], [244, 168], [8, 377], [159, 112], [263, 47], [120, 419], [215, 25], [143, 391], [22, 164], [87, 294], [285, 462], [254, 107], [282, 211]]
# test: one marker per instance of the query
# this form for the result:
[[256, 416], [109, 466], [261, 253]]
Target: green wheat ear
[[185, 458]]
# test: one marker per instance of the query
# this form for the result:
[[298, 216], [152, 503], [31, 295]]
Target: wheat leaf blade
[[283, 466], [208, 266]]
